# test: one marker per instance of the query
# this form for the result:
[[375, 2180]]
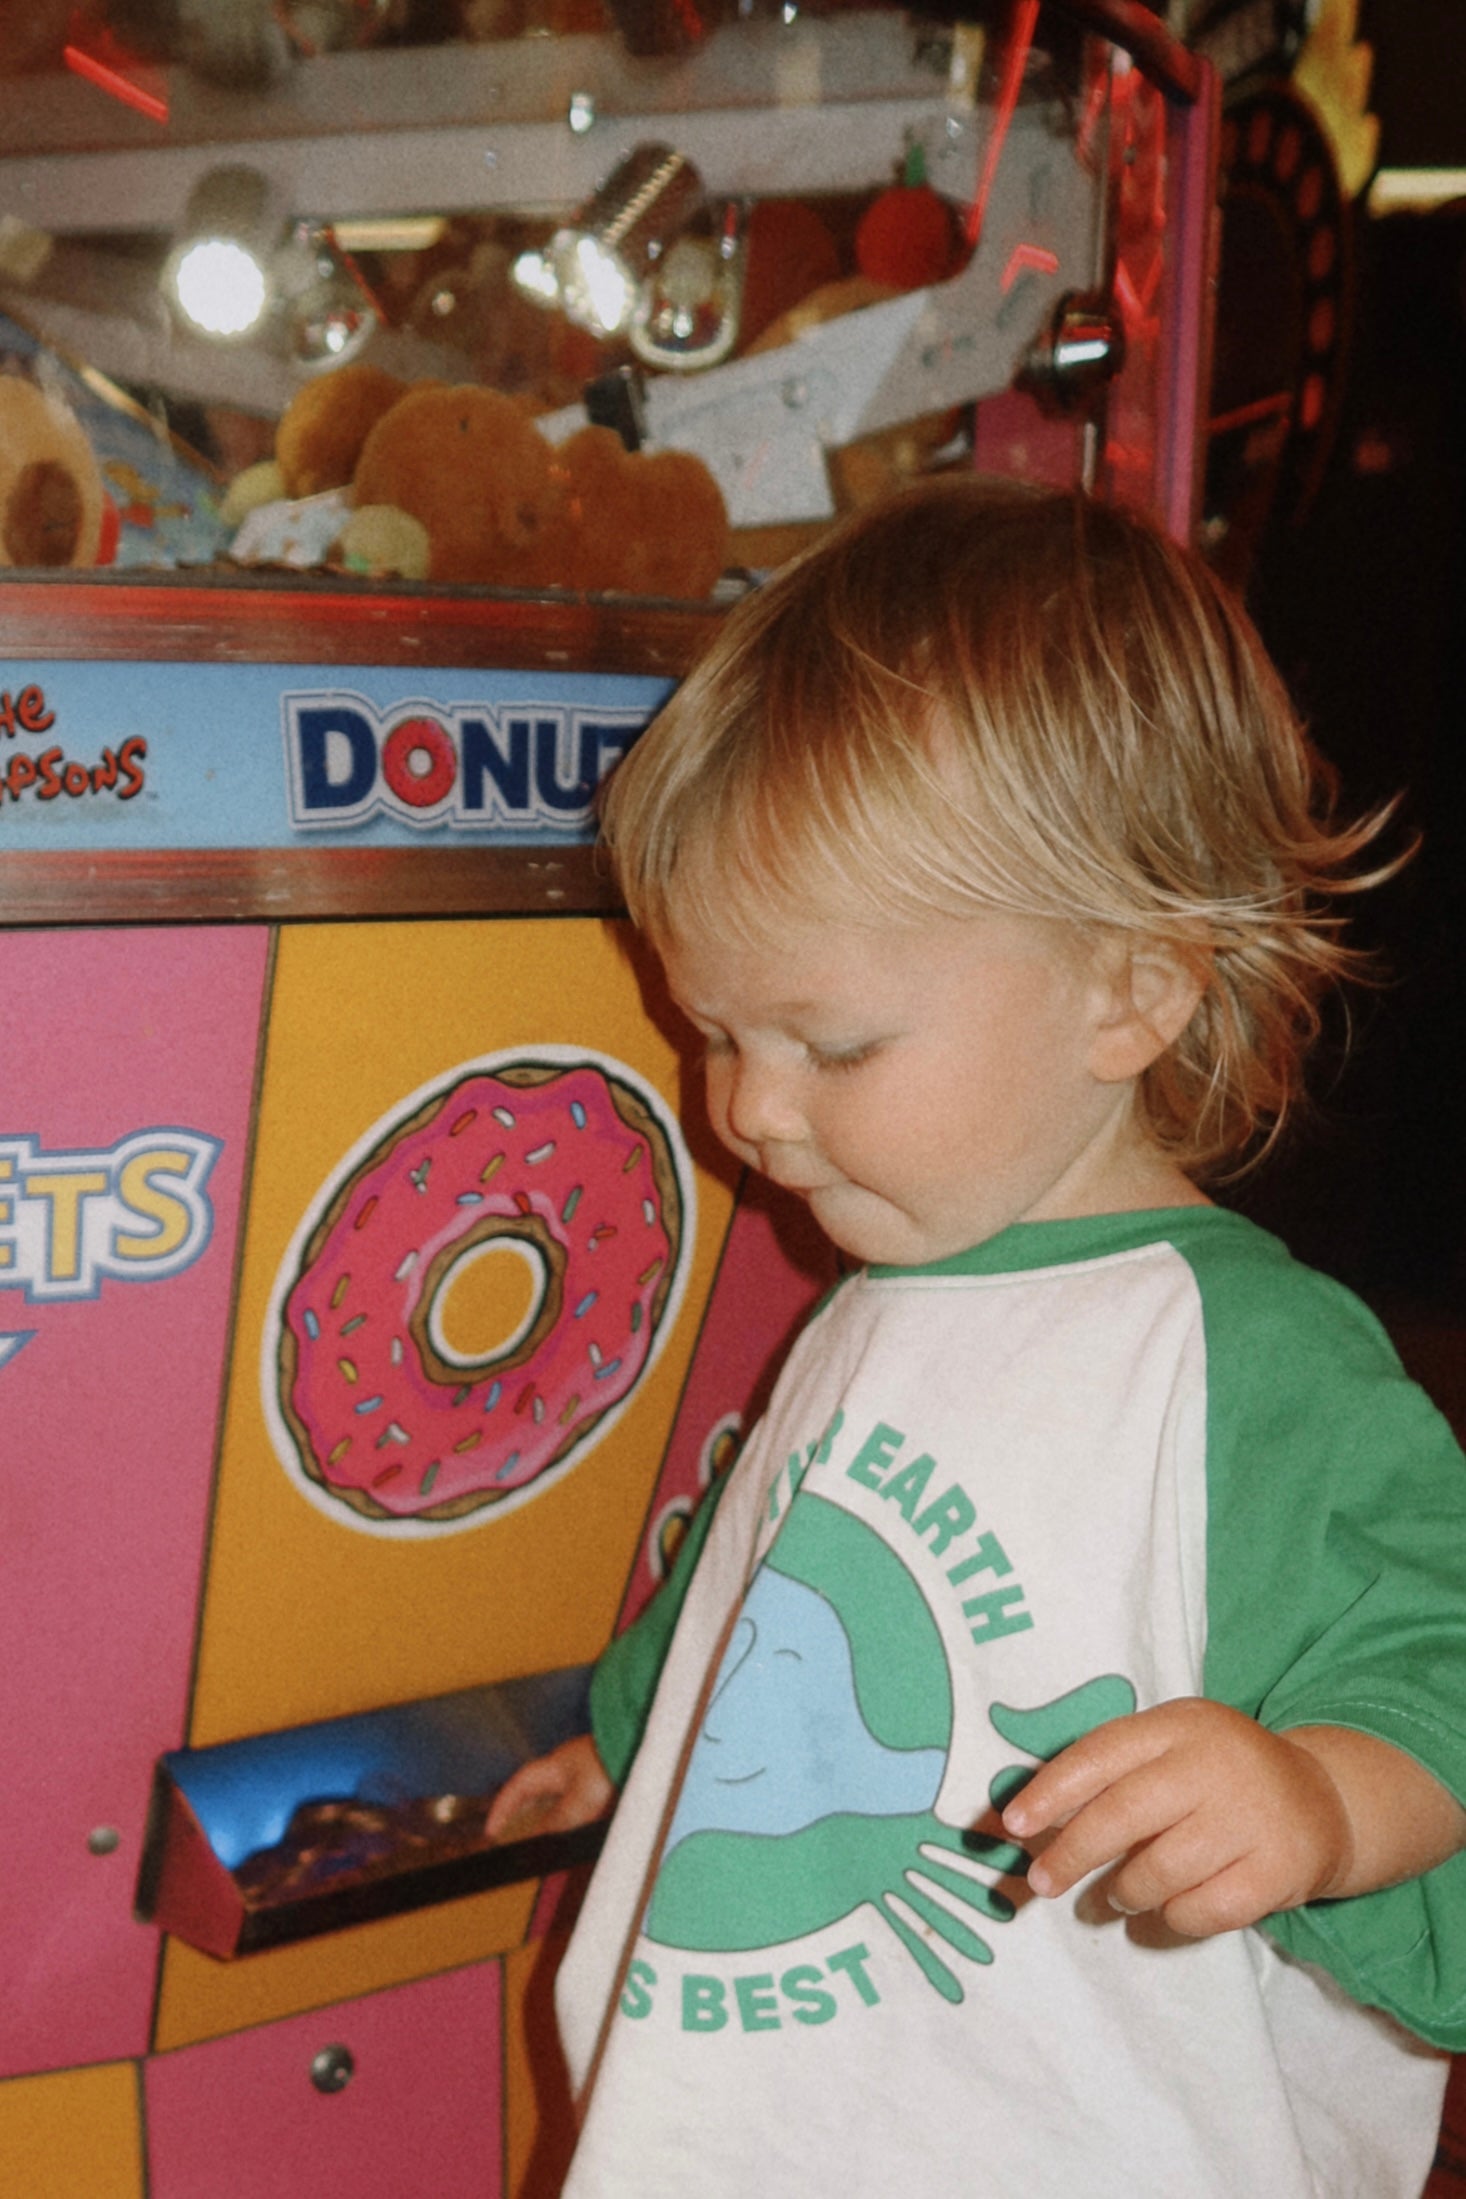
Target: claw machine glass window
[[341, 287]]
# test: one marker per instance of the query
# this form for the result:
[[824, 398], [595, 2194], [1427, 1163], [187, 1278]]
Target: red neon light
[[114, 83], [1025, 20], [1136, 304], [1026, 256]]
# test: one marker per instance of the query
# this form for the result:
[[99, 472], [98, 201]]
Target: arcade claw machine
[[393, 398]]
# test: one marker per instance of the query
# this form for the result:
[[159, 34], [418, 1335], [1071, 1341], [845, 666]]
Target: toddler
[[1043, 1772]]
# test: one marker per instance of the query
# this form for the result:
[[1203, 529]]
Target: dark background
[[1363, 603]]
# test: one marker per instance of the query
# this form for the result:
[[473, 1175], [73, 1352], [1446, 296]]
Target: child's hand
[[1213, 1820], [554, 1793]]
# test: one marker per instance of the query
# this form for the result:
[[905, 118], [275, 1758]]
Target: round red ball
[[907, 237]]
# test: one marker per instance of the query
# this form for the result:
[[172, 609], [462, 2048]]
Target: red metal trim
[[159, 618]]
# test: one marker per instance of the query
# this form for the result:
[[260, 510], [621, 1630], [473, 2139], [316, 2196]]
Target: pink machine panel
[[130, 1062]]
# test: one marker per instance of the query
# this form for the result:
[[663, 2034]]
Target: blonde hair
[[979, 696]]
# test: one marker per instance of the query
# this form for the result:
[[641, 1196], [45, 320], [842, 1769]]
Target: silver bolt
[[104, 1840], [582, 114], [333, 2068]]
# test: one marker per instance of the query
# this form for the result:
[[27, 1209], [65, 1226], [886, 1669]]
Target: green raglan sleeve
[[626, 1674], [1336, 1589]]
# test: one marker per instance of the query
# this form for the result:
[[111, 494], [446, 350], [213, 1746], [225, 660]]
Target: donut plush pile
[[456, 483]]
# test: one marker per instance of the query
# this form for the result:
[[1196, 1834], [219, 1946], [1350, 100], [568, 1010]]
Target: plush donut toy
[[54, 510], [565, 1174]]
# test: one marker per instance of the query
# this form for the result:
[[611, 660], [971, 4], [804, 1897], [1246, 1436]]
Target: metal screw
[[582, 115], [104, 1840], [333, 2068]]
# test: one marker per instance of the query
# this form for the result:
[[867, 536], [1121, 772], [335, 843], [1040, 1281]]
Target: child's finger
[[1172, 1866], [1121, 1818], [1062, 1788], [1233, 1897], [525, 1799]]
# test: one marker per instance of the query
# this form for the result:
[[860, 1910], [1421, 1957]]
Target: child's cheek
[[719, 1087]]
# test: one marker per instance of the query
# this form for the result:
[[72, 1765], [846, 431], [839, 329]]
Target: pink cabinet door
[[419, 2110], [126, 1072]]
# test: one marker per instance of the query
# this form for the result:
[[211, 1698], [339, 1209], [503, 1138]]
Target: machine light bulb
[[534, 277], [596, 287], [221, 286]]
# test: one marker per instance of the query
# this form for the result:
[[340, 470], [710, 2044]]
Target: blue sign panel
[[164, 756]]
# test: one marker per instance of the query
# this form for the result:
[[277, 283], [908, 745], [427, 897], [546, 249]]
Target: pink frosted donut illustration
[[567, 1169]]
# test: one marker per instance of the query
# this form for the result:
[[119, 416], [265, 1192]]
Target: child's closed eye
[[843, 1057]]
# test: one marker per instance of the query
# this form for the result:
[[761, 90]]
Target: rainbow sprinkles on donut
[[569, 1165]]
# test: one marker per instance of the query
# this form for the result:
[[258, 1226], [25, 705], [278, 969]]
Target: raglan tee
[[1086, 1468]]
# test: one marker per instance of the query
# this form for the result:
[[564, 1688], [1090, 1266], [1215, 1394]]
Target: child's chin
[[866, 1229]]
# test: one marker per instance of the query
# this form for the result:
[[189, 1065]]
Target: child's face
[[922, 1085]]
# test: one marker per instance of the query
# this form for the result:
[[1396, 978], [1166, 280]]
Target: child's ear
[[1150, 992]]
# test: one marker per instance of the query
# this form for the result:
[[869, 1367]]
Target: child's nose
[[763, 1108]]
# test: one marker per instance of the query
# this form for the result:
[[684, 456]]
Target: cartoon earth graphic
[[811, 1790]]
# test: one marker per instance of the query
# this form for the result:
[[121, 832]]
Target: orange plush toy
[[327, 421], [470, 466], [650, 522]]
